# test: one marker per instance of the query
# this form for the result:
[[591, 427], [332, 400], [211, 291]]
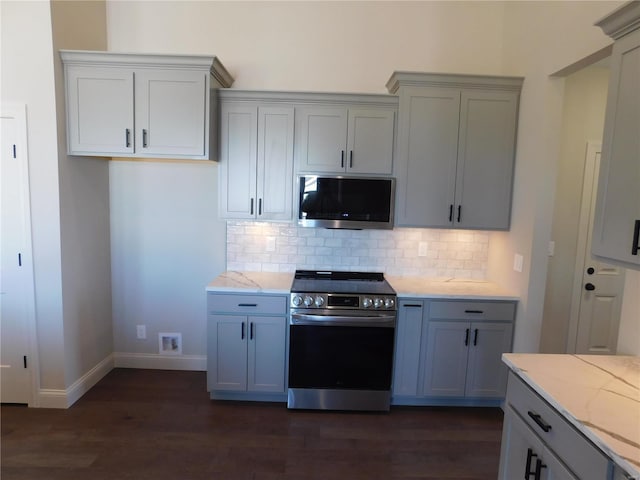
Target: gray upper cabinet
[[131, 105], [256, 157], [345, 133], [456, 149], [616, 230]]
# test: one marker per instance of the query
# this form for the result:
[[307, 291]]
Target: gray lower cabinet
[[449, 352], [246, 345], [539, 444], [456, 149], [407, 352], [616, 229]]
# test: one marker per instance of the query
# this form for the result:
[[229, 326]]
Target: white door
[[16, 274], [598, 286]]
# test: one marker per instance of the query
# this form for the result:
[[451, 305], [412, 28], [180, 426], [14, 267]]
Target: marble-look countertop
[[598, 394], [251, 282], [267, 282], [448, 288]]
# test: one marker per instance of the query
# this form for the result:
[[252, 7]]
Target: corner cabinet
[[449, 352], [538, 442], [616, 230], [456, 149], [134, 105], [354, 138], [256, 157], [246, 346]]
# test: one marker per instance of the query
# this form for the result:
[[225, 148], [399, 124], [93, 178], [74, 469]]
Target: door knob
[[591, 270], [590, 287]]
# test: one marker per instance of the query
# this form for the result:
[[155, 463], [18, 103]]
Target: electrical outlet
[[422, 249], [141, 332], [518, 261]]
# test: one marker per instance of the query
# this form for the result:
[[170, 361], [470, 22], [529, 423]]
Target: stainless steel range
[[341, 338]]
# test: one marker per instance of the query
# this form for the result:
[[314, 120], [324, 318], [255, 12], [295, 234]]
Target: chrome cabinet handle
[[144, 138]]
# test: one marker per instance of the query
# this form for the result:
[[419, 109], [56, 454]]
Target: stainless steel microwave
[[346, 202]]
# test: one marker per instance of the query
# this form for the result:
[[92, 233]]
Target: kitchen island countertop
[[598, 394]]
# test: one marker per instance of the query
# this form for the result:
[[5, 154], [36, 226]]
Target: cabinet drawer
[[247, 304], [578, 453], [472, 310]]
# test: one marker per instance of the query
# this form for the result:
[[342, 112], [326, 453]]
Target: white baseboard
[[160, 362], [58, 398]]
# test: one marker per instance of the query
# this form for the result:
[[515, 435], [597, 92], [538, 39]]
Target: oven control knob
[[308, 300], [377, 302], [297, 301], [388, 303], [319, 301], [367, 302]]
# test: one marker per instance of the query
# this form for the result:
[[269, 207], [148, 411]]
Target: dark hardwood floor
[[153, 424]]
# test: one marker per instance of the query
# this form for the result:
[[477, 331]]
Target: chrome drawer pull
[[539, 421]]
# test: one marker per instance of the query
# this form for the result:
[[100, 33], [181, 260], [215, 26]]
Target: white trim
[[19, 112], [56, 398], [589, 187], [160, 362]]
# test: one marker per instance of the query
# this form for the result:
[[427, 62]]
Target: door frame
[[18, 111]]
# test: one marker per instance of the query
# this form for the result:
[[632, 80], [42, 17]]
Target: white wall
[[166, 246], [540, 39], [585, 100], [68, 202], [166, 241], [27, 76], [84, 209], [629, 335]]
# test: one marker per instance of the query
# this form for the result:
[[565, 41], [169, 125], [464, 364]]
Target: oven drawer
[[247, 304], [449, 310], [579, 454]]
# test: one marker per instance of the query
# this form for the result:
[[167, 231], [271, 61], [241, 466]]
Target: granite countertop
[[268, 282], [598, 394]]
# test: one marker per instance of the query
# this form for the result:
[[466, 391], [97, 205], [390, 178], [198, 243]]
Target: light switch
[[270, 244], [422, 249], [518, 261]]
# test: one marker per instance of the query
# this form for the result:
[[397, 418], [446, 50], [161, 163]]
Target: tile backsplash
[[285, 247]]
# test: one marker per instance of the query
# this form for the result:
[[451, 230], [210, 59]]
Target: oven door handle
[[343, 320]]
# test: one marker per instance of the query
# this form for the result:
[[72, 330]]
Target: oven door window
[[340, 357]]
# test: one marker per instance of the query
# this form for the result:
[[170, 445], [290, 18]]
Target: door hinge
[[19, 259], [14, 151], [24, 359]]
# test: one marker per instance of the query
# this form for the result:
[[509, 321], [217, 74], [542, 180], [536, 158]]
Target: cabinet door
[[517, 441], [445, 362], [486, 374], [170, 113], [617, 214], [238, 150], [370, 141], [99, 110], [227, 353], [267, 350], [427, 154], [321, 139], [520, 451], [407, 353], [486, 153], [275, 163]]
